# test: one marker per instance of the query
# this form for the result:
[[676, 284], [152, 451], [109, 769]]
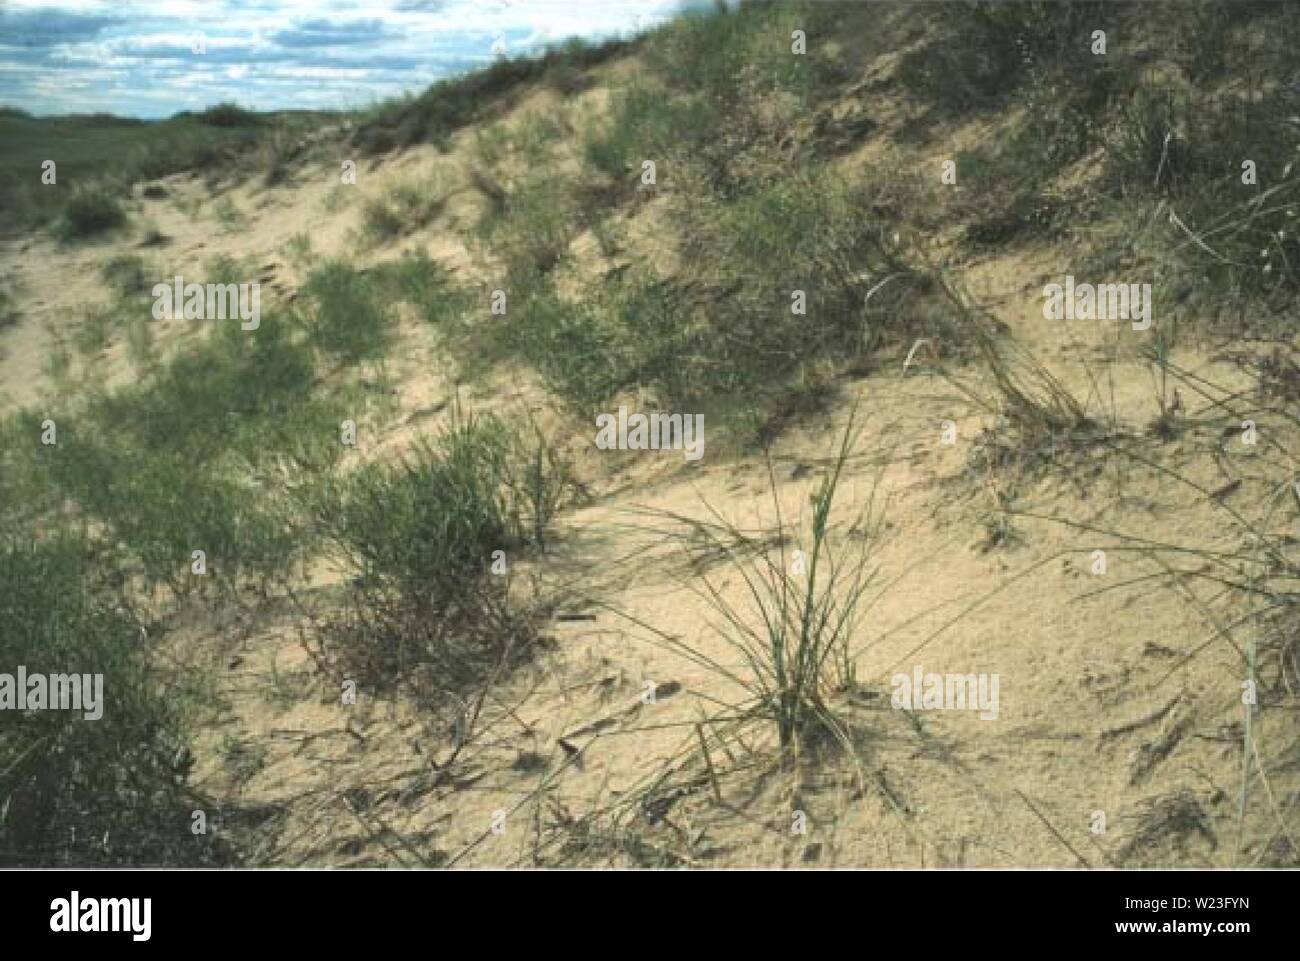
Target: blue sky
[[137, 58]]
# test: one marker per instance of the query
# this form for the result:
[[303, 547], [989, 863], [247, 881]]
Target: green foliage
[[575, 346], [983, 52], [646, 125], [8, 313], [76, 791], [424, 284], [125, 274], [791, 639], [451, 104], [407, 207], [228, 115], [533, 231], [195, 456], [811, 232], [346, 319], [419, 539], [109, 154], [95, 331], [725, 54], [91, 211]]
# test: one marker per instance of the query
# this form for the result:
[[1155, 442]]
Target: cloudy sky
[[138, 58]]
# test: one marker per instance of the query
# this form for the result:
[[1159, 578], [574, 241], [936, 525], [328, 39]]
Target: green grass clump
[[447, 503], [424, 284], [727, 55], [196, 456], [645, 125], [346, 319], [1226, 249], [8, 313], [722, 335], [91, 211], [95, 331], [161, 508], [228, 393], [80, 792], [981, 54], [419, 538], [228, 213], [733, 63], [533, 232], [813, 232], [534, 135], [406, 207], [574, 346], [794, 629], [125, 274], [381, 221]]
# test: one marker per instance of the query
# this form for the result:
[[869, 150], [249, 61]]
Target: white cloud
[[288, 43]]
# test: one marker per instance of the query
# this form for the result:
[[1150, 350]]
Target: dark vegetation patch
[[98, 158], [77, 791], [451, 104]]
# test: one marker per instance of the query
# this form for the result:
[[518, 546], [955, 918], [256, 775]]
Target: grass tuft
[[90, 212]]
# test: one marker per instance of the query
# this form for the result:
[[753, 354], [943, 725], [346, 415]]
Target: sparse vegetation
[[106, 155], [408, 206], [125, 274], [754, 220], [299, 250], [451, 104], [795, 635], [195, 456], [227, 213], [94, 332]]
